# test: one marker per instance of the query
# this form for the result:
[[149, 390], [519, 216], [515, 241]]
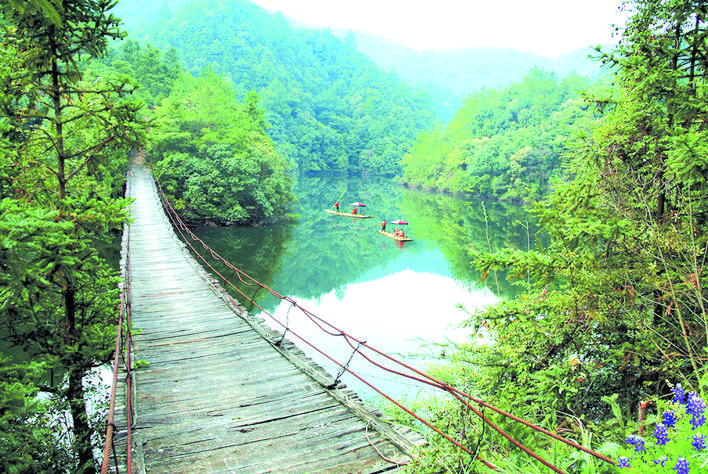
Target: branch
[[97, 147]]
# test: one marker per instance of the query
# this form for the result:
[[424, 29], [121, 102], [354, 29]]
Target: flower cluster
[[682, 465], [661, 433], [696, 407], [637, 442], [679, 395], [669, 419], [678, 443], [623, 461]]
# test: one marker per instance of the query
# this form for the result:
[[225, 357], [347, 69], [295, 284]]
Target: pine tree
[[62, 134]]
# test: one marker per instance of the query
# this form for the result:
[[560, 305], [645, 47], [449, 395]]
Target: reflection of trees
[[459, 229], [257, 251], [322, 252], [328, 251]]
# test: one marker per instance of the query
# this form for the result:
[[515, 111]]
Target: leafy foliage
[[617, 299], [214, 155], [331, 109], [28, 441], [62, 132], [154, 70], [503, 143]]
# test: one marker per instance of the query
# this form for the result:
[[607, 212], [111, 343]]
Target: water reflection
[[398, 314], [340, 268], [321, 252]]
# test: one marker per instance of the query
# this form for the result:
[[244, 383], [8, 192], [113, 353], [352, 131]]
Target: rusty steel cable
[[121, 347], [379, 452], [110, 428], [357, 344]]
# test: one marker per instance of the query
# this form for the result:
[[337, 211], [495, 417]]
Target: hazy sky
[[546, 27]]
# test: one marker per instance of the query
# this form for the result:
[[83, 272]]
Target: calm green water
[[402, 299]]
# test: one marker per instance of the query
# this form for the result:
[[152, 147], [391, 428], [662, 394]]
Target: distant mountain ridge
[[466, 70]]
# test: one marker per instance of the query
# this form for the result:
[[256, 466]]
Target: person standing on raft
[[383, 226]]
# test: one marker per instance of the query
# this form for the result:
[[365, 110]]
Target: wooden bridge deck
[[218, 397]]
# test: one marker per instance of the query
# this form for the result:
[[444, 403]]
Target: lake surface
[[406, 300]]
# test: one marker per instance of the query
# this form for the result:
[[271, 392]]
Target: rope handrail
[[359, 347], [123, 347], [110, 429], [180, 226]]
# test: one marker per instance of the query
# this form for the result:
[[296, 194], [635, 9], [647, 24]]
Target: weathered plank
[[216, 395]]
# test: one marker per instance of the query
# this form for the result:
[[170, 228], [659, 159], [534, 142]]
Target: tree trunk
[[58, 130], [75, 393], [81, 429]]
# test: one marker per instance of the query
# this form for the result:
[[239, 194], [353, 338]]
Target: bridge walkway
[[214, 395]]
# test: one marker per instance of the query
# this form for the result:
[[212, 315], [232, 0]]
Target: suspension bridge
[[201, 386], [214, 395]]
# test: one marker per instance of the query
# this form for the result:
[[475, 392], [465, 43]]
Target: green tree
[[43, 7], [62, 134], [156, 71], [214, 156], [624, 269], [28, 438]]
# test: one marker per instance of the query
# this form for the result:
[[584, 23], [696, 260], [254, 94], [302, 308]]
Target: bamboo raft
[[216, 395], [390, 234], [347, 214]]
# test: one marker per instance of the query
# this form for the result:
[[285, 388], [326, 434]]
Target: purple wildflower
[[699, 442], [670, 419], [682, 465], [662, 460], [679, 395], [696, 407], [661, 434], [637, 442], [623, 461]]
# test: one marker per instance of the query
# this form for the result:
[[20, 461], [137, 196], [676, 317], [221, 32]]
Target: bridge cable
[[180, 226], [345, 368], [287, 324], [122, 353]]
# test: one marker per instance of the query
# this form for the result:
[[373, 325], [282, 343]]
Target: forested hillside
[[503, 143], [211, 152], [330, 108]]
